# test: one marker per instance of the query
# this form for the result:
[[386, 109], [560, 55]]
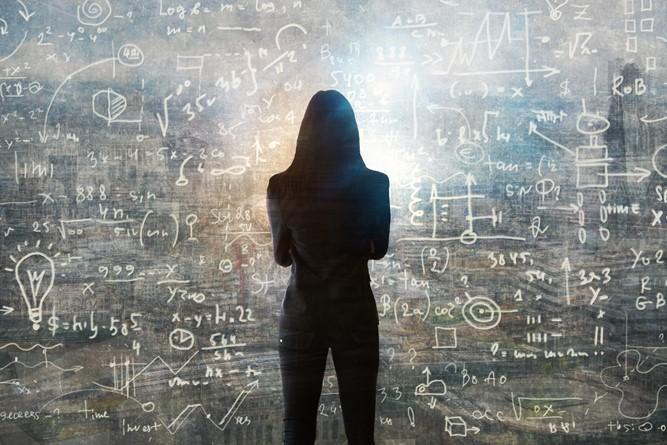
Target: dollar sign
[[54, 323]]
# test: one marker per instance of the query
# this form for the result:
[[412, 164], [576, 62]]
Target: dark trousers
[[303, 355]]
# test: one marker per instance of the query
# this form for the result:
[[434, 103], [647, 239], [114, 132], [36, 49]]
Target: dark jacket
[[327, 235], [329, 215]]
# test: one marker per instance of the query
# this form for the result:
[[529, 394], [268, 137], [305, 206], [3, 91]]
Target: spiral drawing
[[93, 12]]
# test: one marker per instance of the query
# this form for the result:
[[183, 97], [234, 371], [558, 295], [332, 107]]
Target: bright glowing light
[[379, 156]]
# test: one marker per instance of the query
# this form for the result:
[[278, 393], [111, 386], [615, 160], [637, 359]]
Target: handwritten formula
[[523, 298]]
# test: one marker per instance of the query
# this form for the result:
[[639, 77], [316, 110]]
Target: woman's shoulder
[[359, 179], [274, 185], [276, 178], [376, 178]]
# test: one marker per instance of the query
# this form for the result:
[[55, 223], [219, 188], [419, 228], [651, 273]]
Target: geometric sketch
[[108, 105], [445, 341], [191, 63], [592, 160], [128, 55], [638, 19], [457, 427], [481, 312], [468, 236], [440, 213], [439, 387]]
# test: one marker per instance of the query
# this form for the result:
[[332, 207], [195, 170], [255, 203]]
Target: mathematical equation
[[523, 296]]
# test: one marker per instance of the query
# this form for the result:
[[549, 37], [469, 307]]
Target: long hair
[[327, 149]]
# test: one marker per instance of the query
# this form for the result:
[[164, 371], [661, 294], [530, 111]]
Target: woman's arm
[[381, 216], [279, 232]]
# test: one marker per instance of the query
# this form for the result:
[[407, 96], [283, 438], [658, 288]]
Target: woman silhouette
[[329, 215]]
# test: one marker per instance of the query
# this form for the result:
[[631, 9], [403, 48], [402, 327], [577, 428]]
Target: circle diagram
[[469, 153], [481, 313]]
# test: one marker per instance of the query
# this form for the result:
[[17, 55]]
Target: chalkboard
[[522, 299]]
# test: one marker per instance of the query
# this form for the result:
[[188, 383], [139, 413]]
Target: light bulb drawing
[[34, 273]]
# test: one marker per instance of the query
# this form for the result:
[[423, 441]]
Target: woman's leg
[[356, 357], [303, 357]]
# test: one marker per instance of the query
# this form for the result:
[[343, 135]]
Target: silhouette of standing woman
[[329, 215]]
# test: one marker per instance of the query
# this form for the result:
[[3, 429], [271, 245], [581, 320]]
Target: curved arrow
[[639, 172], [62, 84], [24, 11]]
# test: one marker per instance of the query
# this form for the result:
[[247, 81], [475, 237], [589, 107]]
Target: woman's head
[[328, 140]]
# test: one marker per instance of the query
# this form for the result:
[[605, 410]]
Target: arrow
[[532, 129], [428, 373], [549, 70], [430, 60], [177, 423], [6, 310], [566, 266], [237, 403], [43, 134], [3, 27], [640, 172], [24, 11]]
